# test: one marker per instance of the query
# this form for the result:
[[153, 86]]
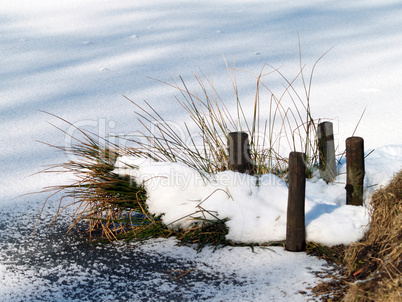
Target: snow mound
[[256, 213]]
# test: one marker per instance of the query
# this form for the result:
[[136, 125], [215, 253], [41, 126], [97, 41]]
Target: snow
[[76, 59], [257, 213]]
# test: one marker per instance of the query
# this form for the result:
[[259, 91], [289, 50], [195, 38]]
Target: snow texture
[[257, 213], [76, 59]]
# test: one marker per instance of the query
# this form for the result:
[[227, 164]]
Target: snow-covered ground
[[76, 59]]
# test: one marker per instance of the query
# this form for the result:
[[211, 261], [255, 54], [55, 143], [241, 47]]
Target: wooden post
[[326, 147], [239, 153], [354, 170], [295, 226]]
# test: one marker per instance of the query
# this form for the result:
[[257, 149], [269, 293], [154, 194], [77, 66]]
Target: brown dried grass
[[375, 263]]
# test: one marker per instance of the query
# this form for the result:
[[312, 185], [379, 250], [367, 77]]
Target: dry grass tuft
[[276, 122], [376, 261], [113, 205], [371, 269]]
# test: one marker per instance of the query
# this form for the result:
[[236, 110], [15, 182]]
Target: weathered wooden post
[[239, 153], [326, 148], [295, 226], [354, 170]]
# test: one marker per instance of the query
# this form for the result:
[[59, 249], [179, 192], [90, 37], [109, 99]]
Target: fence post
[[326, 148], [354, 170], [239, 153], [295, 226]]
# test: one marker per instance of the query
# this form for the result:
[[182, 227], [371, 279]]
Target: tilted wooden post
[[239, 153], [354, 170], [326, 147], [295, 226]]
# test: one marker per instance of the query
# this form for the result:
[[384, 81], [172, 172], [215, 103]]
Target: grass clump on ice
[[115, 206], [111, 204], [288, 125]]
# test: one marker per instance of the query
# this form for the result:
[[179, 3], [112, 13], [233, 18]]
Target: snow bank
[[257, 213]]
